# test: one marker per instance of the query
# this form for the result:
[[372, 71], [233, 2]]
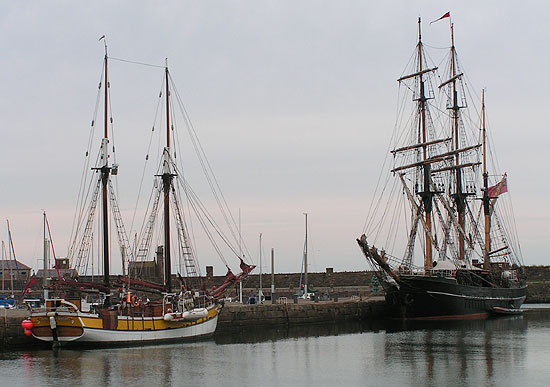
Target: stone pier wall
[[237, 316]]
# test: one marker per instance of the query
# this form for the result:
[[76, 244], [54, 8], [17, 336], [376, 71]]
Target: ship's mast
[[46, 259], [305, 261], [460, 198], [3, 271], [427, 194], [105, 171], [167, 183], [486, 199]]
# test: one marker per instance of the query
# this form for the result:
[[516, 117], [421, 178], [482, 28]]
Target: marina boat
[[132, 308], [444, 246]]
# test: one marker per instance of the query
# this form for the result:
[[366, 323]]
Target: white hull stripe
[[473, 297]]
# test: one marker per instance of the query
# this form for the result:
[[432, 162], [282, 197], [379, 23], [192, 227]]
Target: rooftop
[[10, 264]]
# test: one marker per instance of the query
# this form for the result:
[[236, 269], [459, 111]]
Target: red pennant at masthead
[[448, 14]]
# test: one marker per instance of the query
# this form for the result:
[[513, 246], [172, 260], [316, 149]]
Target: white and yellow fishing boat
[[66, 320], [112, 312]]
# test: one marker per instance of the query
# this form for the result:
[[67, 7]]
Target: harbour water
[[508, 351]]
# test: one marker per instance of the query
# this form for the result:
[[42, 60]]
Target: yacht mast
[[305, 261], [3, 270], [260, 293], [167, 182], [105, 171], [46, 261]]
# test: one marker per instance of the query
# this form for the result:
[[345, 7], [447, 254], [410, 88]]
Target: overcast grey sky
[[294, 102]]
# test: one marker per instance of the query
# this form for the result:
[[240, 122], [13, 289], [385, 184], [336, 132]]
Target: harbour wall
[[11, 332], [237, 316]]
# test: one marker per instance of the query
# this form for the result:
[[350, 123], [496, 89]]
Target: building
[[61, 271], [14, 272], [152, 271]]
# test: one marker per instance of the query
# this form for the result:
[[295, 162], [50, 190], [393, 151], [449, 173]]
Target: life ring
[[135, 300]]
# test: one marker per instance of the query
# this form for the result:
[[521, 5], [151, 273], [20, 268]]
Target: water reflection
[[467, 350], [505, 351], [262, 334]]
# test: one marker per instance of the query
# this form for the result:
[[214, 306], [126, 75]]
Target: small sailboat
[[441, 207], [131, 308], [306, 293]]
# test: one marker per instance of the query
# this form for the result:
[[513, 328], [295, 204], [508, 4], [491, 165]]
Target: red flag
[[448, 14], [498, 189]]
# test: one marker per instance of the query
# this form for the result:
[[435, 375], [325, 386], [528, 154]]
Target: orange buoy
[[27, 324], [135, 300]]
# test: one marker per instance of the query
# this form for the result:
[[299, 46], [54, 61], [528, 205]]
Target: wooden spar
[[421, 163], [416, 74], [456, 167], [454, 220], [167, 108], [486, 200], [372, 253], [167, 182], [452, 79], [427, 194], [415, 146], [104, 182], [454, 152], [459, 197], [438, 158], [498, 250], [416, 208]]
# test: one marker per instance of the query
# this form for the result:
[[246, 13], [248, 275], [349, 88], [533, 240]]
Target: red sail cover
[[32, 281], [246, 268], [231, 278]]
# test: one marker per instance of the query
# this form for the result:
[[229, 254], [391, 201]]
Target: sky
[[294, 103]]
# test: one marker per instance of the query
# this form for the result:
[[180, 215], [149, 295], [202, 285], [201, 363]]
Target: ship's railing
[[423, 272], [54, 305]]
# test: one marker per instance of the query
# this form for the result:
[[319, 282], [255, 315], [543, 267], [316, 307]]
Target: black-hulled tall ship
[[445, 206]]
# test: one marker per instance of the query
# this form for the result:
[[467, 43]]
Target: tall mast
[[460, 198], [427, 193], [486, 199], [105, 171], [46, 263], [260, 293], [305, 260], [167, 182], [3, 271]]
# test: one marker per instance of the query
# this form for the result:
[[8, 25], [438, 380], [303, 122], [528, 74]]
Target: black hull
[[427, 298]]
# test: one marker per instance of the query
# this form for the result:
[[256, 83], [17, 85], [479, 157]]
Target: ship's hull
[[79, 328], [437, 298]]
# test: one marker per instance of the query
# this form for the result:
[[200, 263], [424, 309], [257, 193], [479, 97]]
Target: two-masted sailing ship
[[129, 308], [444, 246]]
